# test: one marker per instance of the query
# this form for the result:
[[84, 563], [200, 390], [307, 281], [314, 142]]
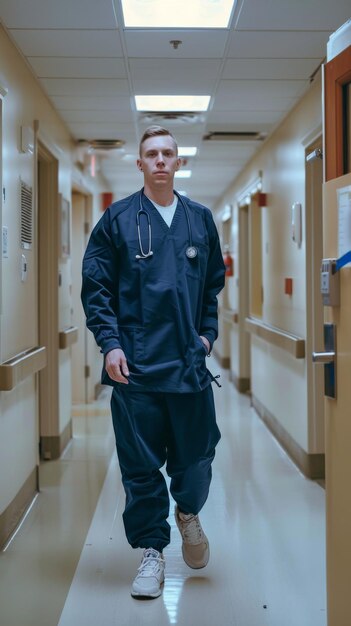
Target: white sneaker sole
[[140, 595]]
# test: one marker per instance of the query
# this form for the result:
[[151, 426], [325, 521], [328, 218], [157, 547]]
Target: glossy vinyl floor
[[70, 563]]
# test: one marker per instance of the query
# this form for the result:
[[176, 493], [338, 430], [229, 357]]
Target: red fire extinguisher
[[228, 262]]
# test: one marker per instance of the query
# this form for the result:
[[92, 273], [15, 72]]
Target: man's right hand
[[116, 365]]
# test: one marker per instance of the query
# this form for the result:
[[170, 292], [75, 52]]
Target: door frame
[[88, 217], [244, 378], [48, 304], [314, 306], [336, 74]]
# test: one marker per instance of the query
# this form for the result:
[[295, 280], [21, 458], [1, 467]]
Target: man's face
[[158, 161]]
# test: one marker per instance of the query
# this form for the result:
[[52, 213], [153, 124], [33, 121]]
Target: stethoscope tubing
[[191, 251]]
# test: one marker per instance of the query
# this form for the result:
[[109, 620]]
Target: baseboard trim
[[311, 465], [14, 512], [241, 384], [52, 447], [224, 361]]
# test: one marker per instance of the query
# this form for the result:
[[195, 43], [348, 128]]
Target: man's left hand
[[206, 343]]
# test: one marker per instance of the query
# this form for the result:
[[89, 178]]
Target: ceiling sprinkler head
[[175, 43]]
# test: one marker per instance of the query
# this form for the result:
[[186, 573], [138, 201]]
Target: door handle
[[323, 357], [328, 359]]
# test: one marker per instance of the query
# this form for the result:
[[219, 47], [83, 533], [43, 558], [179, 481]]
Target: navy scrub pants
[[154, 428]]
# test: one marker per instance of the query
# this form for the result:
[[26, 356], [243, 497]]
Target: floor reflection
[[171, 595]]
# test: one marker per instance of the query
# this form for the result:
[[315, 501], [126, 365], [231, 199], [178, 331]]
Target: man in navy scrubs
[[151, 275]]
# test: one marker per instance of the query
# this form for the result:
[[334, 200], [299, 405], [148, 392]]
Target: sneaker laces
[[191, 529], [150, 562]]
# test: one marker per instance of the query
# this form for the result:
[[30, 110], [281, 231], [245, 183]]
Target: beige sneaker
[[150, 577], [195, 547]]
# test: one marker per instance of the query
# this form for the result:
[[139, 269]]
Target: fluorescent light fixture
[[187, 151], [183, 174], [172, 103], [177, 13]]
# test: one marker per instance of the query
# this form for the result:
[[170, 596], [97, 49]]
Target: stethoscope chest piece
[[191, 252]]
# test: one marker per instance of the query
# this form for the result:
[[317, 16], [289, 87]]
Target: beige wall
[[24, 103], [282, 162]]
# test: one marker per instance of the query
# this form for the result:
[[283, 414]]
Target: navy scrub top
[[155, 309]]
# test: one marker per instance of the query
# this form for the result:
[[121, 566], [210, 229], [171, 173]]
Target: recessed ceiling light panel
[[172, 103], [177, 13]]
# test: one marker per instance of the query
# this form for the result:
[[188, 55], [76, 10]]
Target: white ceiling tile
[[293, 15], [54, 14], [240, 102], [240, 90], [277, 45], [238, 94], [174, 69], [75, 116], [265, 69], [237, 118], [204, 44], [74, 67], [102, 103], [172, 86], [68, 43], [85, 86], [103, 131]]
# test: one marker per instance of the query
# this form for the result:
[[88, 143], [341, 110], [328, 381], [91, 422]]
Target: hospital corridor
[[175, 306]]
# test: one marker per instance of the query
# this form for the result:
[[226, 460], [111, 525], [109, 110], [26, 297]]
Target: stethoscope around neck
[[191, 251]]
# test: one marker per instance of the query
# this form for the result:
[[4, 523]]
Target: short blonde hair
[[156, 131]]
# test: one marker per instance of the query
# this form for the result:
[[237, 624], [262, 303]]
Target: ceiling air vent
[[172, 117], [101, 144], [235, 136], [26, 216]]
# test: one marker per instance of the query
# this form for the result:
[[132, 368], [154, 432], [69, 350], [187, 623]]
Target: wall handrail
[[287, 341], [26, 363], [67, 337]]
